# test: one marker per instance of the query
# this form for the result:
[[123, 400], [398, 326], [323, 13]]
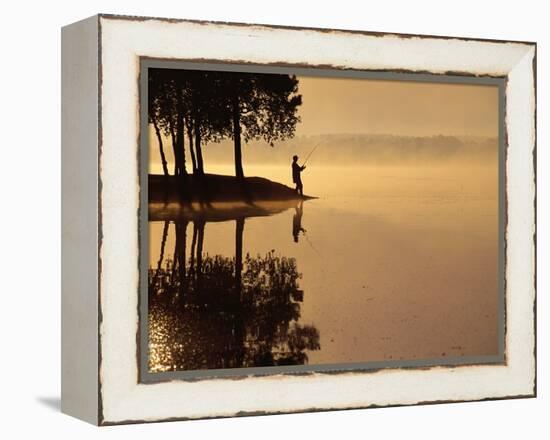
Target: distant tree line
[[368, 149], [208, 106]]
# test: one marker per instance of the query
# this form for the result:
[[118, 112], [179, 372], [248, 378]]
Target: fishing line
[[311, 152], [311, 245]]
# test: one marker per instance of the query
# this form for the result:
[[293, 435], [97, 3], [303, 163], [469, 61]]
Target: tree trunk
[[200, 164], [179, 134], [161, 148], [175, 151], [191, 149], [237, 138]]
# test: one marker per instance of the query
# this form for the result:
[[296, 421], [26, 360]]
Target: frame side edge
[[79, 230]]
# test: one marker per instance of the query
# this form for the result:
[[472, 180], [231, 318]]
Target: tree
[[155, 110], [207, 117], [210, 106], [276, 110], [166, 95], [262, 106]]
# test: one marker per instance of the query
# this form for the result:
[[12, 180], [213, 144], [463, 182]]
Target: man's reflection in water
[[297, 221]]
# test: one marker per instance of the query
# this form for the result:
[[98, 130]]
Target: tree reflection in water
[[212, 311]]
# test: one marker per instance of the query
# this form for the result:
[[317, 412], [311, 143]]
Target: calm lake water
[[389, 263]]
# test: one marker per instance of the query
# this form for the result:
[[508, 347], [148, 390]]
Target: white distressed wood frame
[[101, 59]]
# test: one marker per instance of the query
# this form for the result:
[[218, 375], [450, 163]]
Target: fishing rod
[[311, 152]]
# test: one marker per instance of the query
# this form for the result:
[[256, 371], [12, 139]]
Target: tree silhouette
[[210, 106], [262, 106], [220, 312], [155, 111], [166, 112], [202, 113]]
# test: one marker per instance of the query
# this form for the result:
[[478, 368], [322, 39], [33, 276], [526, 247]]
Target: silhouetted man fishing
[[297, 170], [296, 175]]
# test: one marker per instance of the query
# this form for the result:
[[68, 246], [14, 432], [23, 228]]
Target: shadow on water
[[217, 211], [215, 311]]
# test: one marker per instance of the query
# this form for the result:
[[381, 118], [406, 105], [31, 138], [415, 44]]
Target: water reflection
[[218, 211], [398, 263], [297, 221], [218, 311]]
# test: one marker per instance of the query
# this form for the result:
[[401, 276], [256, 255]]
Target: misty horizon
[[359, 149]]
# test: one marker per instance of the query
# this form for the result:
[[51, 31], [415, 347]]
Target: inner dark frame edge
[[145, 377]]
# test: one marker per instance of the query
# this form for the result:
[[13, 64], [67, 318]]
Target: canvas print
[[302, 222]]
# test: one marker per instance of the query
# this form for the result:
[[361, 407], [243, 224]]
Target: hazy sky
[[335, 105], [365, 106]]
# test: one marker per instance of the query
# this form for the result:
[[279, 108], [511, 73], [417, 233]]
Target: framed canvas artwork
[[262, 219]]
